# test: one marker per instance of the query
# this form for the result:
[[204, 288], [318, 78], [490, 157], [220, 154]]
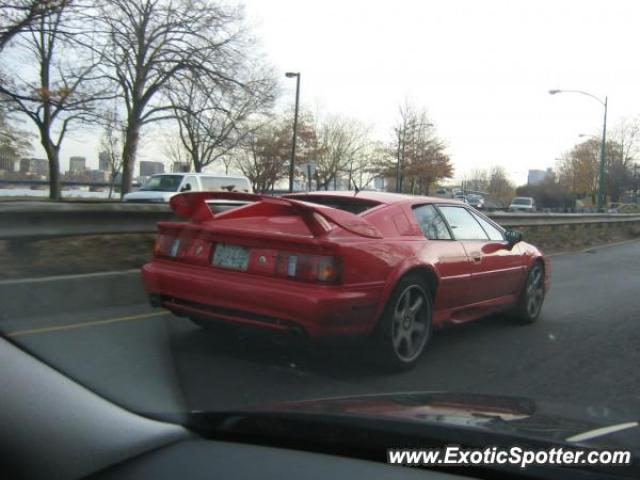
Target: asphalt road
[[585, 349]]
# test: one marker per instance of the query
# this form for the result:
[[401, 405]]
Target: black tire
[[405, 326], [529, 305]]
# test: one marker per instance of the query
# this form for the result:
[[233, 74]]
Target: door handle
[[476, 257]]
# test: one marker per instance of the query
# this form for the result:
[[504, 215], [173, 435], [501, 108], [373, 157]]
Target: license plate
[[231, 256]]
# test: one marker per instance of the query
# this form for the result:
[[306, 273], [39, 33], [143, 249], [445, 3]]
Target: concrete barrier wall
[[41, 220], [69, 293]]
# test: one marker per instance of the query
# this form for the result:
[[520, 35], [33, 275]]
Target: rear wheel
[[405, 326], [532, 298]]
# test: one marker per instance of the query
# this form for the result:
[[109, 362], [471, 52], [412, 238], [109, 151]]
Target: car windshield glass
[[162, 183], [521, 201]]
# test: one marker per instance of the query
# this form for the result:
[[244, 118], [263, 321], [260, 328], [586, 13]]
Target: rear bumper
[[271, 303]]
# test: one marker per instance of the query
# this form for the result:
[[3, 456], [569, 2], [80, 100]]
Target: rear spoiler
[[193, 205]]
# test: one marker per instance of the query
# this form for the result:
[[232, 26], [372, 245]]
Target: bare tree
[[265, 156], [368, 163], [19, 16], [60, 93], [338, 141], [175, 152], [111, 144], [622, 151], [421, 155], [477, 180], [499, 186], [14, 142], [155, 41], [578, 169], [213, 121]]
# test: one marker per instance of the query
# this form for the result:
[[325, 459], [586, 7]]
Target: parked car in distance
[[522, 204], [475, 201], [160, 188], [330, 264]]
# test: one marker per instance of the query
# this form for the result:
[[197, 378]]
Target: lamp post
[[603, 142], [295, 127]]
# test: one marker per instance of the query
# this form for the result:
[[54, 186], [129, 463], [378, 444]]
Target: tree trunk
[[129, 152], [53, 155], [112, 180]]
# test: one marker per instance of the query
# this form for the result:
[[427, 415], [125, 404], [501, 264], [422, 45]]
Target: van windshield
[[162, 183]]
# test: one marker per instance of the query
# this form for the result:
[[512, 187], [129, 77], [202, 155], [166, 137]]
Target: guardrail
[[37, 220], [549, 219]]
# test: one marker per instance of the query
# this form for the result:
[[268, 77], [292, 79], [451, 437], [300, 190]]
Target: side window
[[493, 232], [431, 223], [223, 184], [190, 185], [463, 225]]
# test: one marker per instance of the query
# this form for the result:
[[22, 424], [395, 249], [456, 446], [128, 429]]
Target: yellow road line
[[33, 331]]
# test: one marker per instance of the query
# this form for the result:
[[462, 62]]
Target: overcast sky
[[481, 68]]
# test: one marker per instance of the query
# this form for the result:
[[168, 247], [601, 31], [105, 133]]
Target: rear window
[[350, 204], [225, 184], [218, 206], [521, 201]]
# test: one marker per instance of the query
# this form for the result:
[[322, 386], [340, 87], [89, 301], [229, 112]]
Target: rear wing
[[194, 205]]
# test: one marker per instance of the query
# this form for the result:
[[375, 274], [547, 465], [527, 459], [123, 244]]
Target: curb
[[30, 297]]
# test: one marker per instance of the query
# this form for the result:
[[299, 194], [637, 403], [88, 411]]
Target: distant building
[[103, 161], [8, 163], [34, 166], [537, 176], [77, 164], [97, 176], [25, 165], [179, 167], [148, 168], [40, 166]]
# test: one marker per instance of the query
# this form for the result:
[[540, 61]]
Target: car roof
[[380, 197]]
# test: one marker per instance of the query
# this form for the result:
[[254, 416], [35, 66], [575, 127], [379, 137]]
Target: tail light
[[163, 245], [309, 268]]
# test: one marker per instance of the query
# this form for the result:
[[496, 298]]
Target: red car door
[[447, 255], [496, 272], [502, 269]]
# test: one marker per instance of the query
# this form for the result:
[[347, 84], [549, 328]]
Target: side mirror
[[186, 188], [512, 236]]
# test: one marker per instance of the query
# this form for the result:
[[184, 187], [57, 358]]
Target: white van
[[161, 187]]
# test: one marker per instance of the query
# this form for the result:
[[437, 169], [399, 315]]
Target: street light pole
[[601, 182], [295, 127]]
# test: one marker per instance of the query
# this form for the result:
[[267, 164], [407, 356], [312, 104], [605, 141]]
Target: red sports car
[[387, 266]]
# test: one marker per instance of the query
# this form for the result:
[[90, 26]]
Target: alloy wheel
[[411, 323], [534, 292]]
